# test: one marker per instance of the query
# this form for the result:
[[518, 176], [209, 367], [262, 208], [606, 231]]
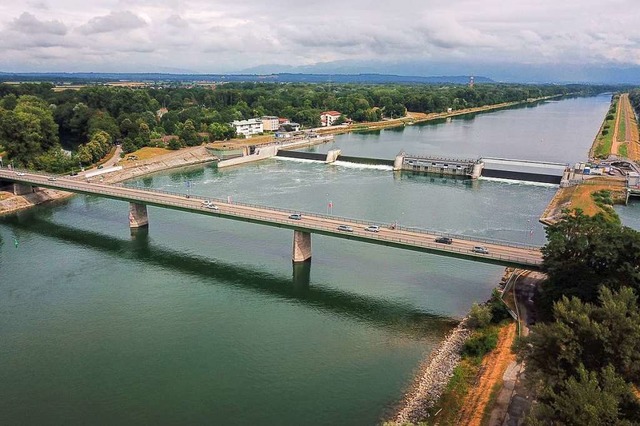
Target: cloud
[[29, 24], [216, 36], [113, 22]]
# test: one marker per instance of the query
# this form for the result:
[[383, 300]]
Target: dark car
[[295, 216], [444, 240]]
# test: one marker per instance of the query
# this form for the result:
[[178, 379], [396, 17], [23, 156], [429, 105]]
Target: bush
[[481, 343], [479, 316]]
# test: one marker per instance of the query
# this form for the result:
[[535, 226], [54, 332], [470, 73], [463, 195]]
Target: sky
[[536, 39]]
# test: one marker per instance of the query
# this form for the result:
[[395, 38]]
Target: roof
[[251, 121], [334, 113], [524, 166]]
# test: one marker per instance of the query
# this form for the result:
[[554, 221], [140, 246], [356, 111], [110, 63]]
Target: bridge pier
[[301, 246], [138, 215], [22, 189]]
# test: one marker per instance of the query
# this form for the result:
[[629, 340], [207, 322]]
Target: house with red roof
[[327, 118]]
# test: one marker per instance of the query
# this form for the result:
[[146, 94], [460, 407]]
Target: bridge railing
[[181, 201], [366, 222]]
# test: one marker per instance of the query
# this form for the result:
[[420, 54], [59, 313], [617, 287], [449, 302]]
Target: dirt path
[[491, 371], [615, 139], [632, 135]]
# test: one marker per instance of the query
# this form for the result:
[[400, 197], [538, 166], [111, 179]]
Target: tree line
[[583, 357], [36, 120]]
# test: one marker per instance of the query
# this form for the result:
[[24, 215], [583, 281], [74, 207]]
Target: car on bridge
[[51, 178], [295, 216], [372, 228], [212, 206], [444, 240], [345, 228], [20, 173], [480, 249]]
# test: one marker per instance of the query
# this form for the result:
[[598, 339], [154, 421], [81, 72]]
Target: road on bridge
[[499, 252]]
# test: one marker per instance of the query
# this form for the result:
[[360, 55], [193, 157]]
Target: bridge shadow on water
[[399, 317]]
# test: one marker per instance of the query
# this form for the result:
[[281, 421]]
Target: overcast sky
[[208, 36]]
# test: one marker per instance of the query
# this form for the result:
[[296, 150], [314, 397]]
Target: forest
[[582, 359], [54, 130]]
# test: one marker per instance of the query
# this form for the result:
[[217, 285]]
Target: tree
[[589, 398], [28, 130], [588, 335], [188, 134], [584, 253], [174, 144], [103, 121]]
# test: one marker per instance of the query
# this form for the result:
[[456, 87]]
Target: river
[[203, 321]]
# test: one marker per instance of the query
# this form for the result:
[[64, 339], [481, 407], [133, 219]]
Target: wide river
[[203, 320]]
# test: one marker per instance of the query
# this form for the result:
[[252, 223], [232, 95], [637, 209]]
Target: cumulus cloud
[[29, 24], [113, 22]]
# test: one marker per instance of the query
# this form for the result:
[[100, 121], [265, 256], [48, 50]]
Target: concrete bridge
[[498, 252]]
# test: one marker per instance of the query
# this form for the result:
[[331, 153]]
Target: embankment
[[433, 377]]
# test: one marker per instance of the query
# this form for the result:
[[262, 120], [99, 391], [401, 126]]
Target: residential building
[[327, 118], [253, 126], [270, 123]]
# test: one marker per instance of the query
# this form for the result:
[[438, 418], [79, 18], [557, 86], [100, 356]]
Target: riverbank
[[417, 117], [410, 119], [440, 391], [433, 377], [131, 169]]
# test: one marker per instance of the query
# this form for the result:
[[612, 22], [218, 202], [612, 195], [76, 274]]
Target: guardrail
[[349, 219], [179, 200]]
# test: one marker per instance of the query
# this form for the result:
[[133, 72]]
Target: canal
[[202, 320]]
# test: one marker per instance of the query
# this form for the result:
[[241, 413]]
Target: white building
[[327, 118], [253, 126]]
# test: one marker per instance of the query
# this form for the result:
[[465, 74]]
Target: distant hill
[[82, 77]]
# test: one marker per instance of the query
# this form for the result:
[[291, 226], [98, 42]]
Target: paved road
[[502, 253]]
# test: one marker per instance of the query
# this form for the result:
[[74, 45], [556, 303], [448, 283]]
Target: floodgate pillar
[[399, 160], [301, 246], [138, 215], [332, 156]]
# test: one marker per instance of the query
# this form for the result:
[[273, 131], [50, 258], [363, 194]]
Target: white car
[[20, 173], [480, 249], [212, 206], [206, 202], [372, 228]]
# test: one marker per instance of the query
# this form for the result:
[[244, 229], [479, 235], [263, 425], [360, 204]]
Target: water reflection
[[396, 316]]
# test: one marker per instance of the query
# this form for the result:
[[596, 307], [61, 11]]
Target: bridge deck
[[502, 253]]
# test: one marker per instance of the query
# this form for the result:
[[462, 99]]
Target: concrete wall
[[260, 154]]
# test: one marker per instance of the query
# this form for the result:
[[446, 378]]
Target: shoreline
[[433, 376]]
